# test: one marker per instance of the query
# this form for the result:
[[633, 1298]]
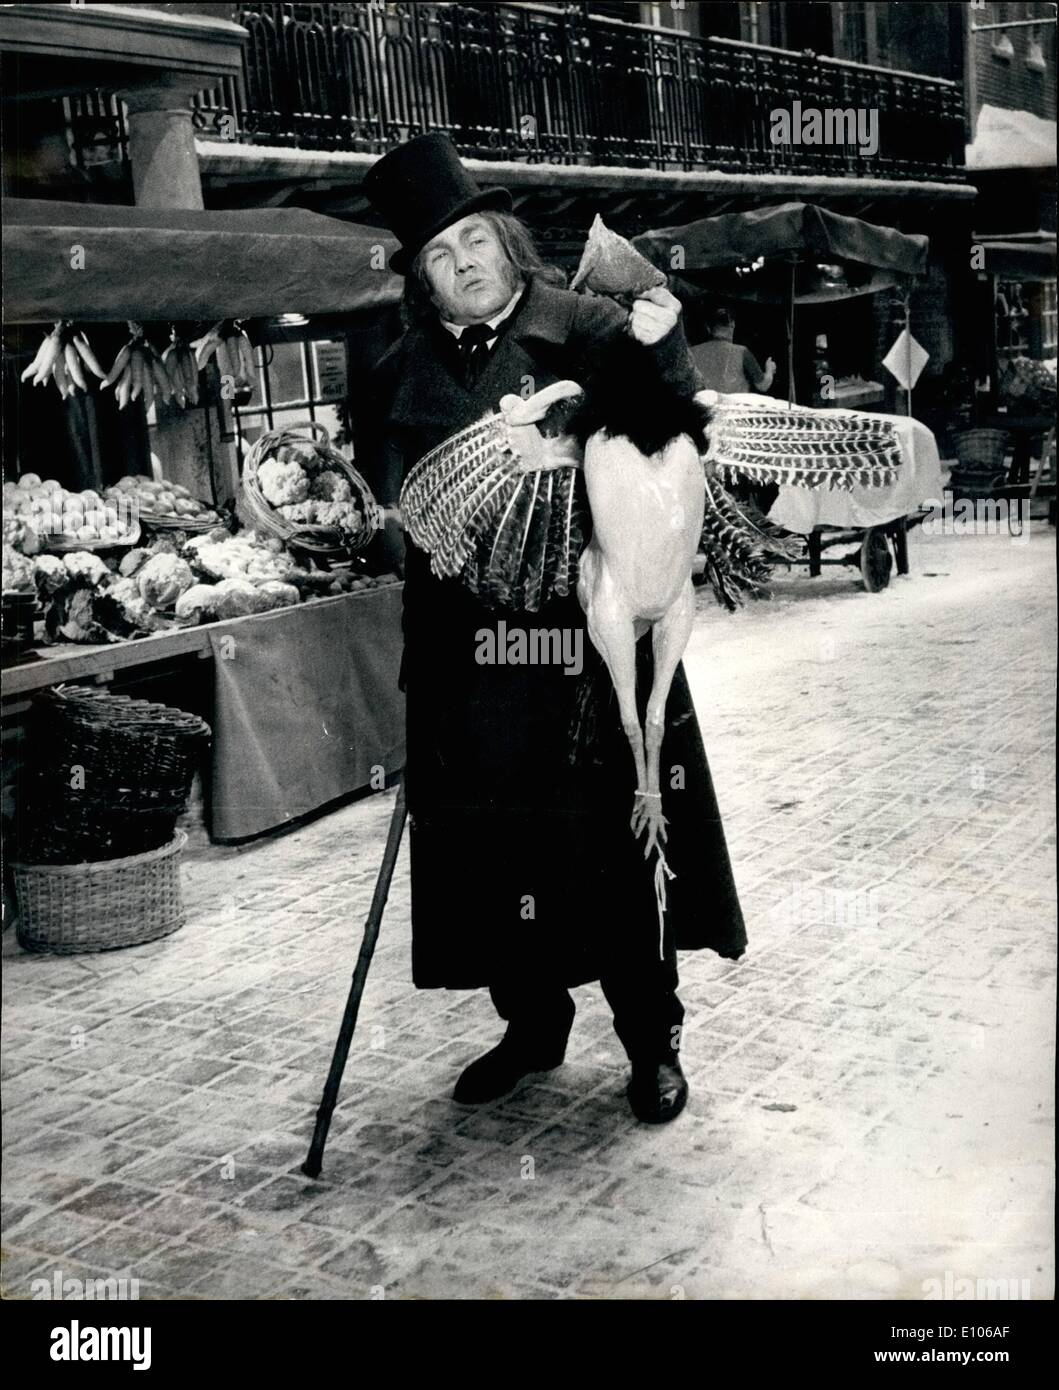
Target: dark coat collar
[[430, 395]]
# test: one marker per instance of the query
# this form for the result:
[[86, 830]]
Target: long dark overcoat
[[522, 856]]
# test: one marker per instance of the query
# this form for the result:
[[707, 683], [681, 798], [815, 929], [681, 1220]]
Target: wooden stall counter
[[305, 702]]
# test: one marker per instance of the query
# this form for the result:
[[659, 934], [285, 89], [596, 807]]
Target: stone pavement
[[871, 1084]]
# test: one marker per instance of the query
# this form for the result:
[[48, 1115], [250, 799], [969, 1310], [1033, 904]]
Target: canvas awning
[[94, 262], [1020, 258], [801, 230]]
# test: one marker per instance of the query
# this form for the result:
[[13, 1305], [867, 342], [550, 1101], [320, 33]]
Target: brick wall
[[1008, 82]]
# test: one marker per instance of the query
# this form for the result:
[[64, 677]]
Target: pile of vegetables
[[45, 508], [160, 498], [18, 571], [175, 581], [302, 486]]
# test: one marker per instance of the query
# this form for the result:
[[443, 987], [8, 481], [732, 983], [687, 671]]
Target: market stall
[[797, 255], [792, 256], [143, 576]]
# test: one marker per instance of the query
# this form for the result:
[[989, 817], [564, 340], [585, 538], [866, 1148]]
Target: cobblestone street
[[871, 1085]]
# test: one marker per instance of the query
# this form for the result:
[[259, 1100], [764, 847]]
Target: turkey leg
[[613, 630], [669, 637]]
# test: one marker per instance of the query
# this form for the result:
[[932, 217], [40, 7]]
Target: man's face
[[468, 271]]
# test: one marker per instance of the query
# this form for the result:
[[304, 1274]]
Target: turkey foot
[[647, 815]]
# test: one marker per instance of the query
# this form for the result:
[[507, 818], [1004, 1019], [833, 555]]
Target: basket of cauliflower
[[297, 486]]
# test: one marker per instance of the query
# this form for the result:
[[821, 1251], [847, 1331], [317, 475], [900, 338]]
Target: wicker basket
[[189, 524], [54, 545], [122, 742], [138, 759], [67, 908], [981, 450], [319, 540]]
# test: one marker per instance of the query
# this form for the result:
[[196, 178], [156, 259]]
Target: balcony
[[539, 85]]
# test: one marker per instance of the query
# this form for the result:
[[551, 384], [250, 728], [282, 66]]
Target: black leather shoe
[[500, 1070], [657, 1091]]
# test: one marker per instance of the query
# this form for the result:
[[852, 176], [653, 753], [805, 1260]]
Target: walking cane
[[311, 1166]]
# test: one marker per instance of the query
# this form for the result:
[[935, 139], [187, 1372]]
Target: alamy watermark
[[978, 516], [953, 1287], [832, 125], [58, 1287], [808, 905], [535, 646]]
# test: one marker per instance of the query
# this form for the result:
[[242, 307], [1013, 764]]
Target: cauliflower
[[86, 567], [18, 572], [330, 486], [345, 516], [236, 598], [198, 603], [134, 560], [51, 575], [20, 532], [123, 613], [79, 623], [163, 579], [125, 591], [304, 513], [281, 595], [282, 483], [305, 454], [167, 545]]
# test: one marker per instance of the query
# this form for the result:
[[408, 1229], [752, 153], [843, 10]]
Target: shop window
[[296, 381], [1012, 319]]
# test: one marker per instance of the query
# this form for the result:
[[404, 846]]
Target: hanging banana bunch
[[228, 343], [62, 357], [138, 370], [182, 370]]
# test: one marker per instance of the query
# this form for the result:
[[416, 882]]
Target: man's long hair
[[515, 238]]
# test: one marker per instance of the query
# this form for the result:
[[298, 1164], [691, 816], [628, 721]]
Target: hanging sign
[[906, 360]]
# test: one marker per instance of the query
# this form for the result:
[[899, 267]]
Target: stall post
[[194, 447]]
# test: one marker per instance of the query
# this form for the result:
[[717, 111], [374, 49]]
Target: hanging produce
[[62, 357], [138, 371], [232, 349], [182, 369]]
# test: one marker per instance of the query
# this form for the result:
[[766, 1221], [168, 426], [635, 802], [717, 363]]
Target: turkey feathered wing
[[513, 528]]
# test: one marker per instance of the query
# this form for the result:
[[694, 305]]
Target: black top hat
[[420, 188]]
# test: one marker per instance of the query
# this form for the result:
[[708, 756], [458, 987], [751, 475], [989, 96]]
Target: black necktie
[[474, 351]]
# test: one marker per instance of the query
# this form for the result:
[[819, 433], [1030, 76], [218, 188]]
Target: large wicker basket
[[136, 759], [319, 540], [982, 450], [67, 908]]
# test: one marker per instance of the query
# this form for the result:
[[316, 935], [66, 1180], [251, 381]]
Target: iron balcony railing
[[552, 84]]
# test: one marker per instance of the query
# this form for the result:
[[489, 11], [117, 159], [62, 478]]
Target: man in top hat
[[526, 878]]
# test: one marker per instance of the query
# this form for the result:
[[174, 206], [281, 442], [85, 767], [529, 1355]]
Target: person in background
[[725, 365]]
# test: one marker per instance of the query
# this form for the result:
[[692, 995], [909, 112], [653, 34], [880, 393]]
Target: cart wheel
[[876, 562]]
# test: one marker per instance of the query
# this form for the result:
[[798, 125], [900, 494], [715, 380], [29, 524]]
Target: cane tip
[[311, 1168]]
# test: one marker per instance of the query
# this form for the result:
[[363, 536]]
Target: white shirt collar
[[456, 329]]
